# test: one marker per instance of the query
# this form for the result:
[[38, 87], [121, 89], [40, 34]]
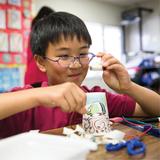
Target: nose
[[75, 63]]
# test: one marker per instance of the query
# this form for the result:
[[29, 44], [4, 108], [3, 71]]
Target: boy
[[60, 44]]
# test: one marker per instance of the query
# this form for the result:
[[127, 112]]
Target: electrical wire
[[134, 124]]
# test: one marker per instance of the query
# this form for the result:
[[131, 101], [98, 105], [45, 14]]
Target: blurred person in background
[[33, 74]]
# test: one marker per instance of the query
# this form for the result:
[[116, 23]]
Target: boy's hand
[[115, 74], [68, 96]]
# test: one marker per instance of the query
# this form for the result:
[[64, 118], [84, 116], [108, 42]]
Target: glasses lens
[[65, 62], [82, 59], [85, 59]]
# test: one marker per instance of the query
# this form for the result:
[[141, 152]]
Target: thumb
[[83, 110]]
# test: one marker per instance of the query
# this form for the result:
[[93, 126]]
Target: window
[[96, 32], [113, 41], [105, 38]]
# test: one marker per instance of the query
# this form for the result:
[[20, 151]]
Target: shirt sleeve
[[118, 104], [16, 123]]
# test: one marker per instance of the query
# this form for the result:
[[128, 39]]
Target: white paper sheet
[[14, 19], [16, 42], [3, 42], [37, 146], [2, 19]]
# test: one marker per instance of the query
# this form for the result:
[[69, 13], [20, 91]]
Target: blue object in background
[[148, 78], [147, 63], [144, 69], [9, 78]]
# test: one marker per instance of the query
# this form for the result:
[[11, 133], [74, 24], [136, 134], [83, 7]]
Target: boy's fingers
[[71, 101], [79, 98], [83, 110]]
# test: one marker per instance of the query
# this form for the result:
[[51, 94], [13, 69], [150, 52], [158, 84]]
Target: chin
[[77, 82]]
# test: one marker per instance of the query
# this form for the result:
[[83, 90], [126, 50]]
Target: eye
[[83, 55], [64, 57]]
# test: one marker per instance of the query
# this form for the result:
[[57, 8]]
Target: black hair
[[43, 12], [51, 29]]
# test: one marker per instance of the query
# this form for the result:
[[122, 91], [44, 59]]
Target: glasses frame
[[75, 57]]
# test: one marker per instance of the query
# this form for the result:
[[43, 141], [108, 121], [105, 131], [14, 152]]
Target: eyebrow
[[66, 48]]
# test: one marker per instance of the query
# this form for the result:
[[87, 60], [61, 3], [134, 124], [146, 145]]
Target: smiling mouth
[[74, 75]]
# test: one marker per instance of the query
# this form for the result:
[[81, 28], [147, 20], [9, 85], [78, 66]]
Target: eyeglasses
[[66, 61]]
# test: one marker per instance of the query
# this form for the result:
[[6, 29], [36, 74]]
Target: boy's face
[[57, 73]]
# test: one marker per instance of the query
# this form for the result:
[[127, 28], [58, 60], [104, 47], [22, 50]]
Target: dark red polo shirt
[[44, 118]]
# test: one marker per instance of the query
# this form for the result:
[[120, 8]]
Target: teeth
[[96, 64]]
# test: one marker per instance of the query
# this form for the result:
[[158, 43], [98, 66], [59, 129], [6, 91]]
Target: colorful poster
[[3, 1], [27, 23], [9, 78], [6, 58], [26, 3], [16, 42], [14, 2], [18, 59], [2, 19], [3, 41], [14, 19]]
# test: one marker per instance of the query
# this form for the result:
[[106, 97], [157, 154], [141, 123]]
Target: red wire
[[147, 130], [134, 124]]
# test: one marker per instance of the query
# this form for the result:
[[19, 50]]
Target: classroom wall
[[88, 10], [151, 29], [108, 14]]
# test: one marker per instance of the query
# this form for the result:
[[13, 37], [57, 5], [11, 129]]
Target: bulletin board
[[15, 22]]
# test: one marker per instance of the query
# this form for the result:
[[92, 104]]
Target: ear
[[40, 63]]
